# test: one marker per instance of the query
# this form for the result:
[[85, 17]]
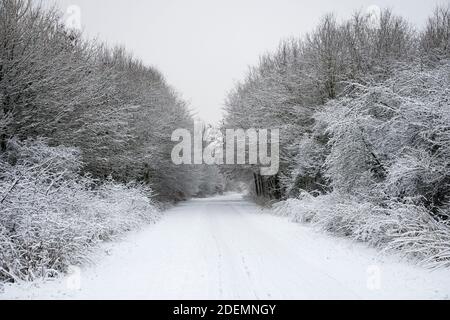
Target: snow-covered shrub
[[404, 228], [52, 217]]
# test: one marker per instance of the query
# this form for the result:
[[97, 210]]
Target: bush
[[404, 228], [52, 217]]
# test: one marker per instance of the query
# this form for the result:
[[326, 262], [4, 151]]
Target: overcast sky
[[204, 46]]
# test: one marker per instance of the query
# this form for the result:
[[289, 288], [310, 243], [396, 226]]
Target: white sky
[[204, 46]]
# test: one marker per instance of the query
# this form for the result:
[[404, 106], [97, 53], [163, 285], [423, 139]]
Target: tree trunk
[[255, 177]]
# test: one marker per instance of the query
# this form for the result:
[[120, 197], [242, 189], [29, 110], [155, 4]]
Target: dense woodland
[[119, 113], [364, 113]]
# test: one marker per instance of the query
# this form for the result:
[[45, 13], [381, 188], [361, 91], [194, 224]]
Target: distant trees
[[435, 39]]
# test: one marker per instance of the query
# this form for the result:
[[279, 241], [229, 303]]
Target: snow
[[228, 248]]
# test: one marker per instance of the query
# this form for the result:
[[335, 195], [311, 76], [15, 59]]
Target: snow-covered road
[[227, 248]]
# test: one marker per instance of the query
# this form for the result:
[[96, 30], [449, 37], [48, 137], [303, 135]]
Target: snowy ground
[[226, 248]]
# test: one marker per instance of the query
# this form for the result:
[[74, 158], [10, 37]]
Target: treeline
[[363, 108], [85, 150], [117, 111]]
